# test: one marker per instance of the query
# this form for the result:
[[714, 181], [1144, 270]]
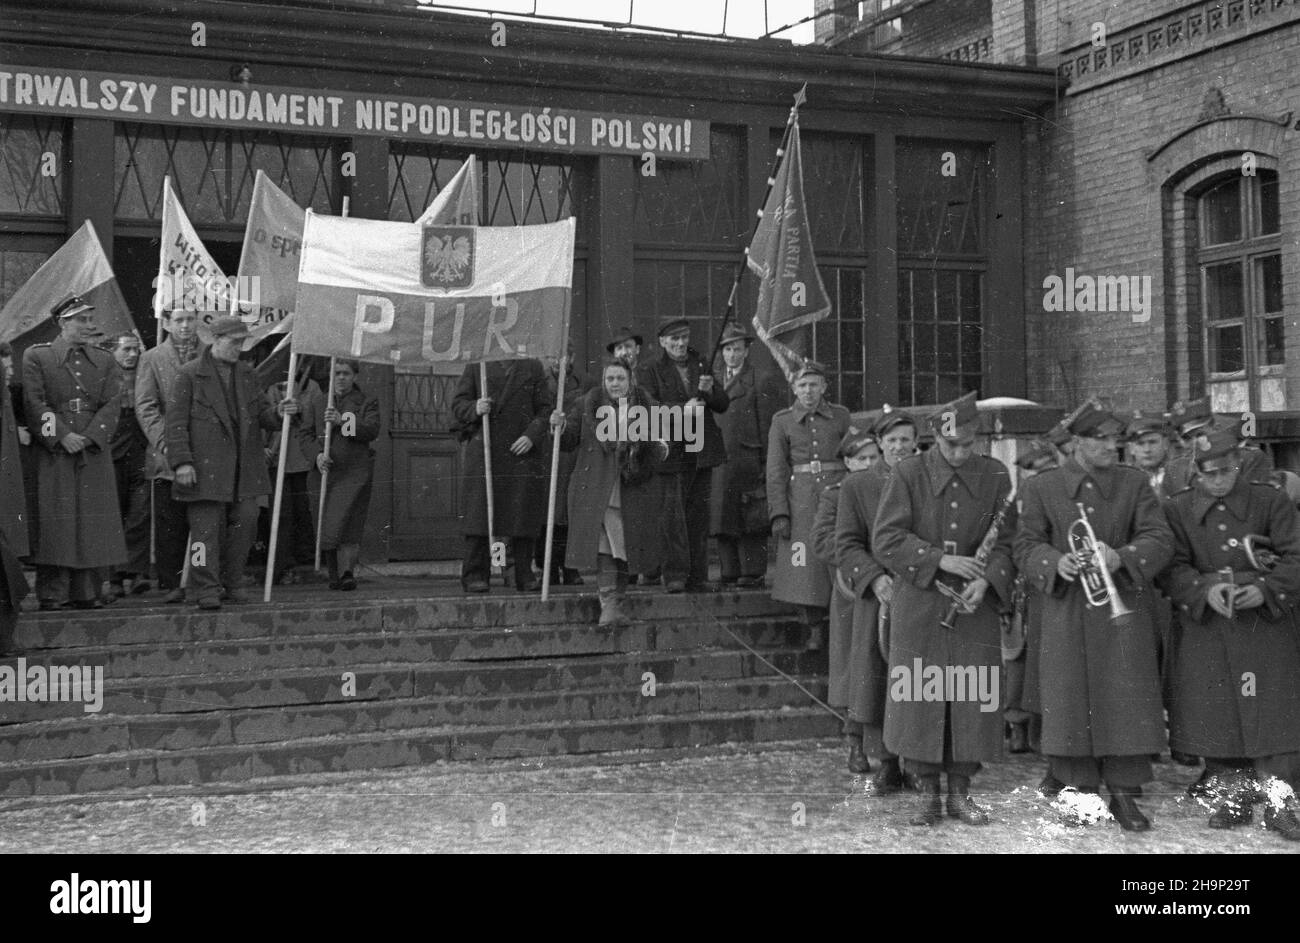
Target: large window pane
[[1270, 282], [1221, 211], [1227, 348], [1268, 205], [1272, 342], [941, 213], [695, 202], [25, 187], [1223, 292]]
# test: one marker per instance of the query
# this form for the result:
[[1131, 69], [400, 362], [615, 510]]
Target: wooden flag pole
[[555, 475], [279, 483], [487, 462], [329, 429]]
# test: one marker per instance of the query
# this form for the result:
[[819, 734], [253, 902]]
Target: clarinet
[[986, 546]]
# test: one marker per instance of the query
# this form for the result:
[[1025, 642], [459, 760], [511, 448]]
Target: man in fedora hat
[[738, 510], [680, 378], [73, 391], [625, 344], [215, 447]]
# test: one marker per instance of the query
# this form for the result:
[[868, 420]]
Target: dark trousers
[[949, 765], [171, 526], [1284, 766], [133, 504], [221, 534], [684, 528], [559, 544], [1089, 772], [60, 584], [477, 564], [295, 544], [742, 556]]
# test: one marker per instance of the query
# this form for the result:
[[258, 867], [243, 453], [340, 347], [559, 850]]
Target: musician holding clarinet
[[1235, 578], [1091, 539], [945, 520]]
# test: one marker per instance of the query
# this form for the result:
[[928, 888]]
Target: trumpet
[[1260, 552], [1098, 587]]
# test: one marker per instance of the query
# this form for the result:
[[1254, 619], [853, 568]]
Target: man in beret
[[738, 509], [935, 514], [214, 445], [1237, 621], [1099, 677], [872, 587], [625, 344], [802, 461], [680, 378], [73, 404], [1021, 634]]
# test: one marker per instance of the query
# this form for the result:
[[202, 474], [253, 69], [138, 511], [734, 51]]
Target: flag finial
[[801, 96]]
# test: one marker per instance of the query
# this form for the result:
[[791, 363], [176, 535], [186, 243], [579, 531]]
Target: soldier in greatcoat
[[1195, 421], [72, 390], [1235, 697], [518, 404], [802, 460], [859, 451], [935, 513], [872, 587], [1099, 677], [738, 512]]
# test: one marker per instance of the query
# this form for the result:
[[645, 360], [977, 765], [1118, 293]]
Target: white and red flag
[[433, 297]]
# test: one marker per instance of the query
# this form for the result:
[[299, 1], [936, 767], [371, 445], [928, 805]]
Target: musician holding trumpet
[[1235, 578], [1091, 539]]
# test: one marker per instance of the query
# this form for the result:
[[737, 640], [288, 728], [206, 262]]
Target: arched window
[[1239, 258]]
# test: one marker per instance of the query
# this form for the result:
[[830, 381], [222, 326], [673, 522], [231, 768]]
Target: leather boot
[[1018, 737], [607, 584], [929, 802], [888, 779], [858, 762], [1051, 787], [961, 805], [1126, 811]]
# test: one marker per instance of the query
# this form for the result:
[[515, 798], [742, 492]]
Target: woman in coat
[[351, 466], [615, 499]]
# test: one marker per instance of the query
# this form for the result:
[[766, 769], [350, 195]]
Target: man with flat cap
[[680, 378], [1099, 676], [1234, 669], [802, 461], [738, 512], [872, 587], [214, 445], [626, 344], [945, 520], [73, 390], [1022, 633]]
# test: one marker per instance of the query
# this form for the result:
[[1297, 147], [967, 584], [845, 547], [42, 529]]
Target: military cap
[[734, 332], [1190, 415], [961, 412], [1143, 421], [671, 326], [621, 335], [1216, 444], [1094, 422], [70, 306], [228, 326], [809, 368], [1036, 455], [891, 418], [855, 440]]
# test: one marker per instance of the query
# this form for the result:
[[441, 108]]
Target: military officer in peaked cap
[[1147, 440], [72, 391], [1099, 676], [1237, 620], [802, 460], [1194, 421]]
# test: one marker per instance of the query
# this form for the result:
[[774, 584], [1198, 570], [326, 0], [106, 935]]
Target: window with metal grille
[[31, 165], [1240, 262], [695, 203], [213, 171], [942, 261]]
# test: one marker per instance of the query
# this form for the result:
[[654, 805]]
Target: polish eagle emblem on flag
[[447, 256]]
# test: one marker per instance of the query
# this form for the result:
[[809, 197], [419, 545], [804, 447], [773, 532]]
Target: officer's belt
[[80, 404], [1239, 577], [818, 467]]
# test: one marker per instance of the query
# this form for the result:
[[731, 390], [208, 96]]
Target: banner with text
[[270, 258], [437, 297], [123, 97]]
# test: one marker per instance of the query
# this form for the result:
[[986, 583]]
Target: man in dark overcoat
[[154, 384], [935, 513], [1194, 421], [1235, 698], [680, 379], [72, 390], [517, 402], [738, 507], [803, 460], [214, 443], [1099, 677], [130, 446], [872, 587], [13, 529]]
